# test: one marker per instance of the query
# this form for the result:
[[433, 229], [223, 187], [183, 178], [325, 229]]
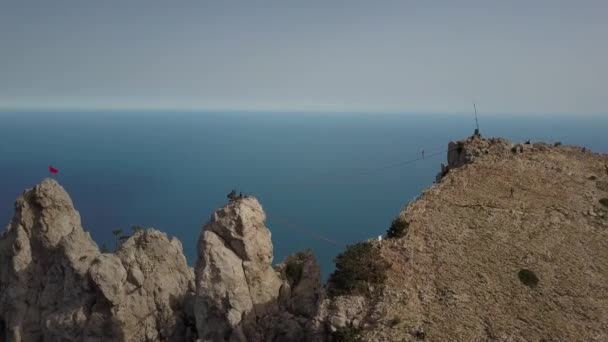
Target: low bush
[[604, 202], [294, 270], [232, 196], [528, 278], [358, 267], [346, 334], [398, 228]]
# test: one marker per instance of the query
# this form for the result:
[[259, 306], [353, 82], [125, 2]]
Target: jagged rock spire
[[56, 285]]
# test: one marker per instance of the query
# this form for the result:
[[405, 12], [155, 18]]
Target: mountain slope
[[479, 239]]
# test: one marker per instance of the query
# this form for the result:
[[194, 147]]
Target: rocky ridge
[[509, 245]]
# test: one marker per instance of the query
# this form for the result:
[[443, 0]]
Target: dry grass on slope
[[466, 270]]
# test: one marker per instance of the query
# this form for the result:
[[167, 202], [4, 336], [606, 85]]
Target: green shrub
[[604, 202], [232, 196], [346, 334], [359, 266], [294, 270], [137, 228], [557, 144], [398, 228], [528, 278]]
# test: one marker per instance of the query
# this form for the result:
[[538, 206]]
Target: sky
[[544, 56]]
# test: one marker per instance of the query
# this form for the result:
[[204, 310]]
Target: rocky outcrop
[[158, 289], [464, 152], [300, 300], [239, 295], [55, 285], [301, 289]]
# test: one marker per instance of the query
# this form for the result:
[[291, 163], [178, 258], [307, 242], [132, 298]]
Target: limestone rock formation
[[158, 286], [240, 296], [301, 289], [55, 285], [300, 300]]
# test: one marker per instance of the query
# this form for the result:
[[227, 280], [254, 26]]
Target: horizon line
[[108, 110]]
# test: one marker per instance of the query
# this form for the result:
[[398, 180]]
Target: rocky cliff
[[56, 285], [240, 296], [509, 245]]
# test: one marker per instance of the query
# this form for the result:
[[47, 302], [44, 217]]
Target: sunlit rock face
[[239, 295], [55, 285]]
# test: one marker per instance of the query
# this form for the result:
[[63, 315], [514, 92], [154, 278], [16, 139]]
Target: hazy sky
[[508, 56]]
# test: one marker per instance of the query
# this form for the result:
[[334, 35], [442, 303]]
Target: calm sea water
[[328, 174]]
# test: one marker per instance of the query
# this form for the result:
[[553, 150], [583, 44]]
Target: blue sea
[[335, 176]]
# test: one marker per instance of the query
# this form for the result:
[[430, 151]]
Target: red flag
[[53, 170]]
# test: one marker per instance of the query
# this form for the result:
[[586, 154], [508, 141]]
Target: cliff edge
[[510, 245]]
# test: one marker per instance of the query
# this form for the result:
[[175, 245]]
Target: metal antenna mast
[[476, 122], [477, 133]]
